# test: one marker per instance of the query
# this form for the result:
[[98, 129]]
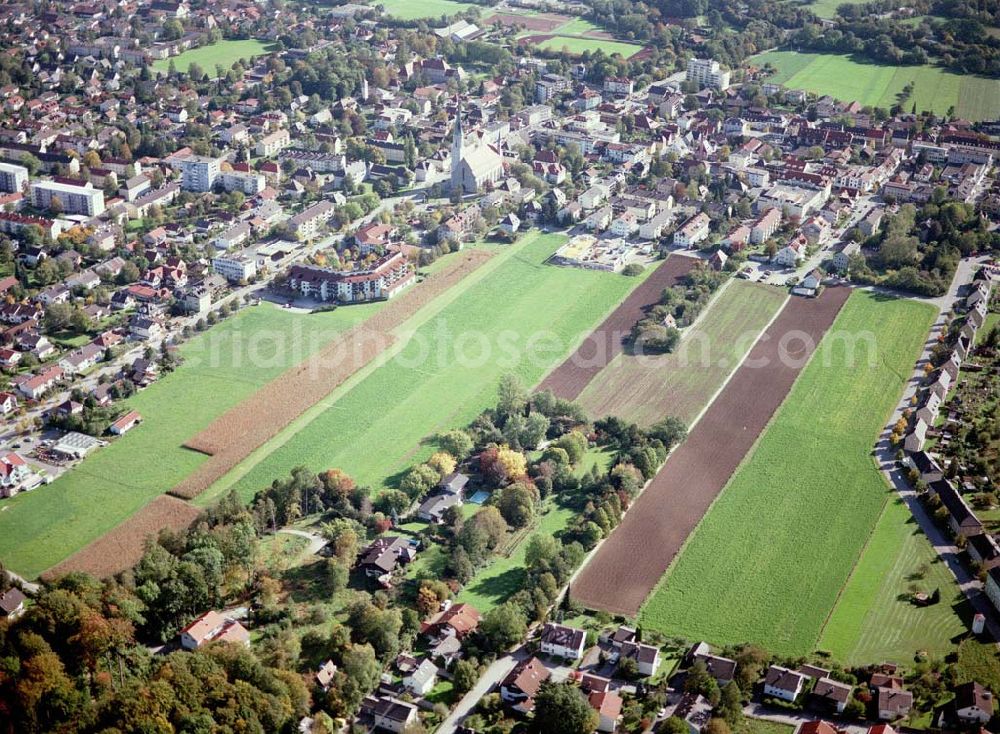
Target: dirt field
[[605, 342], [123, 547], [528, 22], [627, 567], [237, 433]]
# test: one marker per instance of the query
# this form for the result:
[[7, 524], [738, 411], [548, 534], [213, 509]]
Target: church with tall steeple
[[474, 165]]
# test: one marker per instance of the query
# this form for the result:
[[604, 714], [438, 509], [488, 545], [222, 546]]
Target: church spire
[[456, 145]]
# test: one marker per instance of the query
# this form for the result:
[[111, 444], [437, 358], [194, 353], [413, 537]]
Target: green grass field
[[974, 98], [769, 558], [874, 620], [223, 53], [447, 371], [580, 45], [828, 8], [413, 9], [641, 388], [41, 528], [747, 725]]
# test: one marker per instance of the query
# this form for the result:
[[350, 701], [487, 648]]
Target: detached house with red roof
[[519, 688], [15, 475], [213, 627]]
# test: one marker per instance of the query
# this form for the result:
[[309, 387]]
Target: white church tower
[[457, 151]]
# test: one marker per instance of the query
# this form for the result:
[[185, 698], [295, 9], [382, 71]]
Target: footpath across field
[[769, 559]]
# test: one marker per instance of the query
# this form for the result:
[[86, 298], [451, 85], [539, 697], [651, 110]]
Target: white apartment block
[[707, 73], [235, 268], [250, 183], [75, 198], [694, 231], [198, 172], [13, 178]]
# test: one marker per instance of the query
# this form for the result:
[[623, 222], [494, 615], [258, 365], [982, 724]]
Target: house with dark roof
[[646, 657], [720, 668], [961, 519], [831, 695], [12, 603], [563, 642], [390, 714], [783, 684], [925, 465], [519, 688], [984, 550], [973, 703], [386, 554], [893, 703]]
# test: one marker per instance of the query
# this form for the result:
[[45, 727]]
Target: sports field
[[768, 560], [581, 44], [974, 98], [874, 619], [644, 389], [222, 53], [40, 528], [515, 314], [413, 9]]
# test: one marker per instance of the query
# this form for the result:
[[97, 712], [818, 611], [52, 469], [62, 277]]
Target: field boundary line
[[739, 364]]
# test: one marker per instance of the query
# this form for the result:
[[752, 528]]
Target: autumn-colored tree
[[337, 481], [442, 462]]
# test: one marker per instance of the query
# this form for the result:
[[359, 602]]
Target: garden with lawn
[[515, 314], [767, 562], [219, 368], [849, 79]]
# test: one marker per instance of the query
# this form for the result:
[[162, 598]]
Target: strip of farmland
[[234, 435], [123, 547], [631, 561], [606, 341], [646, 388]]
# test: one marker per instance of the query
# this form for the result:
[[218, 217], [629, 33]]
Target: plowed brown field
[[631, 561], [123, 547], [235, 434], [541, 22], [606, 341]]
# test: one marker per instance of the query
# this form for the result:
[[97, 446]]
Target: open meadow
[[414, 9], [581, 44], [644, 389], [515, 314], [767, 562], [874, 619], [935, 89], [221, 53], [40, 528]]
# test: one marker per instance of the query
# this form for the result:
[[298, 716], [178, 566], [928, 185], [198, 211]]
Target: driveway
[[491, 678], [316, 541]]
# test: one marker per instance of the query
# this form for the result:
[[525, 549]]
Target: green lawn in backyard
[[977, 660], [505, 575], [515, 314], [41, 528], [874, 620], [579, 45], [645, 388], [828, 8], [413, 9], [747, 725], [221, 53], [992, 321], [768, 560], [936, 89]]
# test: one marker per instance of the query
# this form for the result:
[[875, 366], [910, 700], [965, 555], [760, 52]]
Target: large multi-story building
[[707, 73], [235, 267], [386, 277], [13, 178], [74, 198], [199, 172], [273, 142]]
